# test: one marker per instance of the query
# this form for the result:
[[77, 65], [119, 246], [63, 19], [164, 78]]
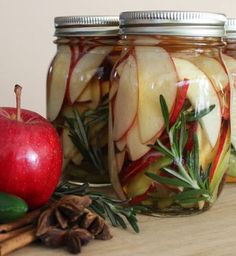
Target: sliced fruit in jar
[[85, 69], [140, 183], [120, 158], [231, 66], [136, 167], [202, 95], [112, 165], [206, 152], [86, 95], [105, 85], [135, 147], [77, 158], [156, 76], [211, 67], [230, 63], [180, 99], [56, 88], [95, 93], [126, 101], [69, 149], [221, 162], [120, 144]]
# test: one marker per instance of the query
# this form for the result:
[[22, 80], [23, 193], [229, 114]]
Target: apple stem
[[17, 91]]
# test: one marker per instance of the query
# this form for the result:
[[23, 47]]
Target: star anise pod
[[69, 223], [75, 238], [95, 225], [62, 213]]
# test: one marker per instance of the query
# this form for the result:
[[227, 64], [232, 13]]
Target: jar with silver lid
[[170, 151], [77, 93], [229, 57]]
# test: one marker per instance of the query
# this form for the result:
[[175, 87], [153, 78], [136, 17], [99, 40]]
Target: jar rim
[[86, 25], [177, 23]]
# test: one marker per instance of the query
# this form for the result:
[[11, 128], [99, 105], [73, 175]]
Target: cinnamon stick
[[14, 233], [26, 220], [18, 242]]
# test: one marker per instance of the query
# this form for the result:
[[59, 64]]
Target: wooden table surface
[[212, 233]]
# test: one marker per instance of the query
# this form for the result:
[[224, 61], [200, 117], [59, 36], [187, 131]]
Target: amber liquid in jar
[[78, 104], [170, 150]]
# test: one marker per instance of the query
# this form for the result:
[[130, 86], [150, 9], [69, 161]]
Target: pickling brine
[[169, 133], [77, 94]]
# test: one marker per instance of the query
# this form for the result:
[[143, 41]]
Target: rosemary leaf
[[165, 112], [168, 181], [191, 194], [196, 116], [193, 200], [176, 174], [117, 211]]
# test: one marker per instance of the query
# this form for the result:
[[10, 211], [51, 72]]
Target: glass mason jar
[[170, 150], [77, 93], [229, 57]]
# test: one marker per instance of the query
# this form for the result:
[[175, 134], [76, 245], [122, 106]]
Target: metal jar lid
[[86, 26], [176, 23], [230, 28]]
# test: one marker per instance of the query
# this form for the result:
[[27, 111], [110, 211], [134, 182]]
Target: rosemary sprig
[[188, 174], [117, 211], [79, 128]]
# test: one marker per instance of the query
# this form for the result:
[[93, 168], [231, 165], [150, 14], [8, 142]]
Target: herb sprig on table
[[188, 174], [117, 211]]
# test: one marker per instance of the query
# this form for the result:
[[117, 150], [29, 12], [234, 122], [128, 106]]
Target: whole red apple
[[30, 155]]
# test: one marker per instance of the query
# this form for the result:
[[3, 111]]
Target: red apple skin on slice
[[56, 88], [180, 99], [126, 101], [135, 147], [202, 95], [85, 69], [224, 142], [156, 76], [136, 167]]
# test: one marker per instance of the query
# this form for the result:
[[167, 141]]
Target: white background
[[26, 37]]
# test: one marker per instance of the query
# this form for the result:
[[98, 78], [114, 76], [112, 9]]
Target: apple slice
[[231, 66], [135, 147], [95, 93], [77, 158], [113, 89], [120, 144], [112, 165], [211, 67], [221, 161], [69, 149], [120, 158], [86, 95], [156, 76], [230, 63], [56, 88], [206, 152], [140, 183], [126, 101], [180, 99], [105, 85], [85, 69], [202, 95]]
